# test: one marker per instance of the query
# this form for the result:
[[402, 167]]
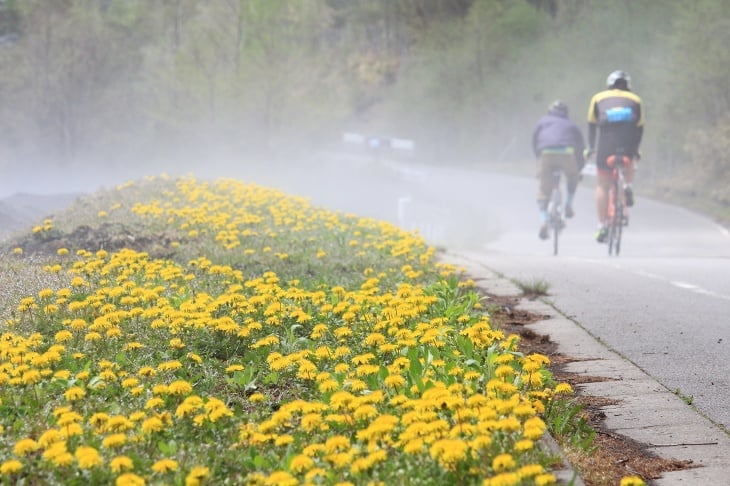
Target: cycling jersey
[[617, 114], [558, 133]]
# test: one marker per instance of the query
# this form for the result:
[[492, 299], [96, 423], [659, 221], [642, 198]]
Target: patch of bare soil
[[107, 236], [614, 456]]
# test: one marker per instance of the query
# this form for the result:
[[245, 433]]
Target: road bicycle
[[556, 222], [617, 210]]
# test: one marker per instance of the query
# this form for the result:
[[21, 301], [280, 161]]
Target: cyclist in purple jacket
[[557, 143]]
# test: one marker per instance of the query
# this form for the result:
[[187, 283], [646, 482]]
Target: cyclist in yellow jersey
[[616, 122]]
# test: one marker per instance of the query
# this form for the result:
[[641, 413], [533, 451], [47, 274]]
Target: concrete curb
[[646, 412]]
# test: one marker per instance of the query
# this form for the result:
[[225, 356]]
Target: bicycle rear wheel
[[619, 219], [615, 230]]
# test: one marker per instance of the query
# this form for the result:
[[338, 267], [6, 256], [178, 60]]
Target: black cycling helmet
[[619, 79], [559, 108]]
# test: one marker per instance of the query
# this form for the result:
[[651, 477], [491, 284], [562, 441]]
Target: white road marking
[[676, 283]]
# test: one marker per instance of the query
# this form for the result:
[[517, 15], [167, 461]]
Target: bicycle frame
[[555, 209], [616, 203]]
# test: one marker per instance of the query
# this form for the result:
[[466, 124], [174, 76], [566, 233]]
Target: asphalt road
[[663, 304]]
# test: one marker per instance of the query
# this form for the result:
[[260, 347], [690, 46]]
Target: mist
[[130, 89]]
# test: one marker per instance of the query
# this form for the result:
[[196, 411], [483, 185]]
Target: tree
[[65, 75]]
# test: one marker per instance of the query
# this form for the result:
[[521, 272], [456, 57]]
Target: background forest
[[99, 84]]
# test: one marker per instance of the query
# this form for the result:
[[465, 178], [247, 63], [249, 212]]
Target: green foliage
[[568, 425], [535, 287]]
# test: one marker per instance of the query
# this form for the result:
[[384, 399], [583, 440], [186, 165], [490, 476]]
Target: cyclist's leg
[[603, 185], [629, 170], [572, 174], [544, 189]]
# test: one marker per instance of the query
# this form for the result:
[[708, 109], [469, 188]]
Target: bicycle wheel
[[555, 212], [615, 229], [612, 211], [619, 223]]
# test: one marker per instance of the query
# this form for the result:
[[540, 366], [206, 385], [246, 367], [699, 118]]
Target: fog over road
[[663, 304]]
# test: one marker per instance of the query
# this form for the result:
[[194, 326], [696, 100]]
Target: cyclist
[[557, 143], [616, 116]]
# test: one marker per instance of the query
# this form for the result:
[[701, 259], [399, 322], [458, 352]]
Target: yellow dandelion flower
[[180, 387], [25, 446], [632, 481], [505, 479], [121, 463], [114, 440], [196, 476], [256, 397], [129, 479], [530, 470], [165, 465], [563, 389], [503, 462], [152, 424], [31, 377], [545, 479], [74, 393], [233, 368], [301, 463], [88, 457], [10, 467], [524, 445], [155, 402], [283, 440]]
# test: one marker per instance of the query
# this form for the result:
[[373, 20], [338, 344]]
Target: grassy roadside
[[188, 332]]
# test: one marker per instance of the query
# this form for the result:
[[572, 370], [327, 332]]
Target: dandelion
[[301, 463], [74, 393], [25, 446], [87, 457], [395, 381], [503, 462], [563, 389], [180, 387], [114, 441], [10, 467], [281, 478], [283, 440], [505, 479], [257, 397], [165, 465], [121, 463], [632, 481], [129, 479], [196, 475], [152, 424], [530, 470], [546, 479], [524, 445]]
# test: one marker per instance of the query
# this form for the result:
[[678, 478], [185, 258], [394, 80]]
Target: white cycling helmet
[[617, 76]]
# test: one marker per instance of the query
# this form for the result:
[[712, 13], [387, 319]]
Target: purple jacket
[[555, 131]]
